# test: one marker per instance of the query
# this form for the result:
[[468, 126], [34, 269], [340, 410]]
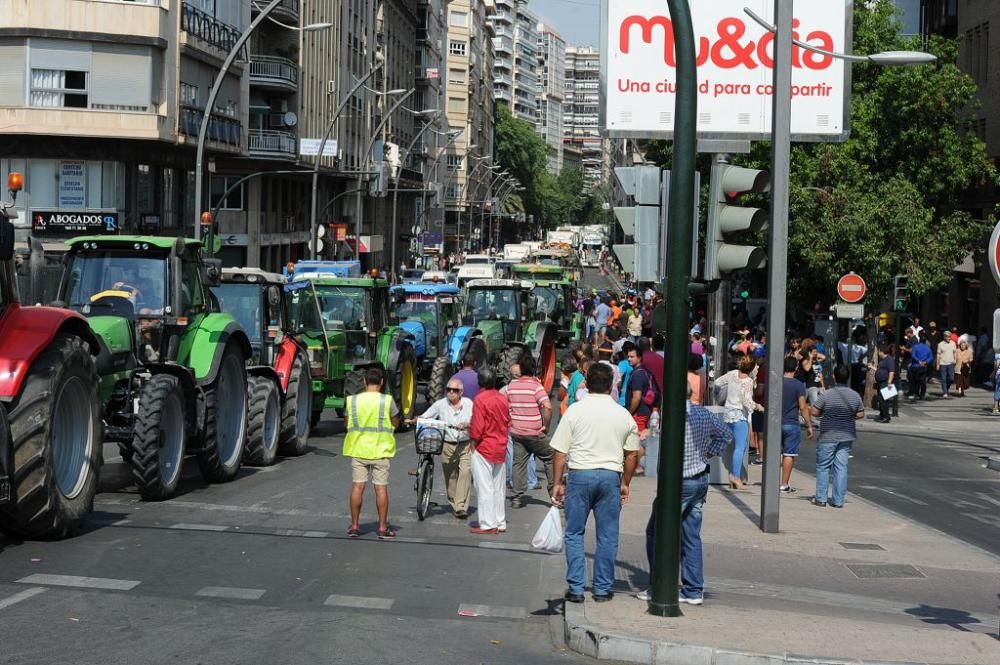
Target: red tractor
[[50, 414]]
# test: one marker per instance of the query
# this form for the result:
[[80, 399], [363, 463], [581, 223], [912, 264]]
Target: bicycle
[[428, 441]]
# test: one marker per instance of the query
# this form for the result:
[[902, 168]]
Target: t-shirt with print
[[527, 398], [791, 391], [838, 406]]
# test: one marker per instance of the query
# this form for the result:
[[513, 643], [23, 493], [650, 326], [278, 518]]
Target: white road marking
[[491, 545], [302, 534], [81, 582], [362, 602], [895, 494], [403, 539], [121, 522], [496, 611], [230, 592], [199, 527], [21, 595]]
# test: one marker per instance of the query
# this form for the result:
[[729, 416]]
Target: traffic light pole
[[666, 560], [781, 141]]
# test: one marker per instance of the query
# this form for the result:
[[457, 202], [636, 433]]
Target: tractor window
[[496, 304], [192, 293], [302, 312], [549, 300], [380, 309], [243, 302], [109, 280], [419, 309], [345, 304]]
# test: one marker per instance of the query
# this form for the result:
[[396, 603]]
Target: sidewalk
[[851, 585]]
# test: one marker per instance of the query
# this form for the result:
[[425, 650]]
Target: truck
[[518, 252], [590, 249], [561, 239], [50, 417]]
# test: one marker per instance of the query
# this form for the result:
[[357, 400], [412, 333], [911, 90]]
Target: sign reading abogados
[[735, 59]]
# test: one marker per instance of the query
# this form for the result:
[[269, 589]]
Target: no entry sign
[[994, 253], [851, 288]]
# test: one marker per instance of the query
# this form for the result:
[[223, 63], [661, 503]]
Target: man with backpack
[[642, 393]]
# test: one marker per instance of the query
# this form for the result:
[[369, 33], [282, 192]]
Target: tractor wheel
[[477, 347], [441, 372], [508, 358], [56, 439], [264, 422], [296, 416], [547, 364], [159, 438], [225, 419], [405, 385], [354, 383]]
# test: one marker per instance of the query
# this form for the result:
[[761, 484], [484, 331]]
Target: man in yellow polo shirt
[[372, 419]]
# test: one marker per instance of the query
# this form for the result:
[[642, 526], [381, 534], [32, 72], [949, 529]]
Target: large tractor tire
[[296, 410], [441, 371], [510, 356], [56, 435], [354, 383], [264, 422], [404, 383], [159, 438], [225, 419]]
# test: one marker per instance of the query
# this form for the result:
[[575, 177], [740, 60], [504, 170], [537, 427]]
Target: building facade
[[581, 109], [515, 68], [551, 93]]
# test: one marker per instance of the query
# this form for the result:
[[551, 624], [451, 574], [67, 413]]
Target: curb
[[589, 640], [993, 463]]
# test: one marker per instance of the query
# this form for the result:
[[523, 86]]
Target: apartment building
[[515, 75], [470, 108], [580, 111], [551, 93]]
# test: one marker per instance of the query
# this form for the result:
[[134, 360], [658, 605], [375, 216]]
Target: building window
[[456, 105], [234, 201], [456, 47], [458, 19], [456, 76], [189, 95], [455, 162], [453, 191], [56, 87]]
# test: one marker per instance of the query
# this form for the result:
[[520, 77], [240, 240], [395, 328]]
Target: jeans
[[597, 490], [947, 378], [741, 437], [532, 466], [832, 454], [694, 492]]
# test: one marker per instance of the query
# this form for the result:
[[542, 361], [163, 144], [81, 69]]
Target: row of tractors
[[153, 346]]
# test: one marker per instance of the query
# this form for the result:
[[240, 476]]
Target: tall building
[[580, 111], [551, 93], [515, 76]]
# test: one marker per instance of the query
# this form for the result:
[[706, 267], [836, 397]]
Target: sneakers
[[787, 489], [691, 601], [815, 502], [645, 595]]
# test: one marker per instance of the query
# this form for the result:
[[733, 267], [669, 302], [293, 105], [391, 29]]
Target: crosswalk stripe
[[361, 602], [81, 582], [198, 527], [19, 596], [230, 592]]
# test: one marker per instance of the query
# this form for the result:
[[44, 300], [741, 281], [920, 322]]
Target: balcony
[[287, 11], [274, 73], [222, 129], [208, 28], [270, 144]]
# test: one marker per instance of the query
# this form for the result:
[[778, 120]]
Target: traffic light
[[641, 221], [724, 217], [901, 293], [743, 289]]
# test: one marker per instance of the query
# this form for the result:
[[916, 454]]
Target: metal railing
[[270, 143], [285, 6], [208, 28], [221, 128], [274, 68]]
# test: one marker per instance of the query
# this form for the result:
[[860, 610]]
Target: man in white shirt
[[946, 350], [455, 411], [598, 440]]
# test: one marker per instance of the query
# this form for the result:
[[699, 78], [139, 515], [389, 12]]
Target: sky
[[577, 21]]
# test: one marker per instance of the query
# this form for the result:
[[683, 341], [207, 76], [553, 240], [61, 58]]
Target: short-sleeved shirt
[[470, 382], [526, 397], [602, 314], [791, 391], [595, 433], [639, 380], [946, 351], [886, 366], [839, 406], [575, 380]]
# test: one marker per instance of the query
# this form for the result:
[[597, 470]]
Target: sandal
[[386, 534], [354, 532]]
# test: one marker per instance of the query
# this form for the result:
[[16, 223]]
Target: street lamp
[[214, 93], [429, 114]]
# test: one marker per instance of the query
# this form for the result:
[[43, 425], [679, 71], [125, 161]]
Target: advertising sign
[[735, 70], [72, 223], [72, 183], [310, 147]]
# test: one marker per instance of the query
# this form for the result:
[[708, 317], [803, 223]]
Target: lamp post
[[214, 93], [466, 191], [429, 114]]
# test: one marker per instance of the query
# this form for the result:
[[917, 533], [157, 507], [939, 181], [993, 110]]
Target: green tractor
[[556, 293], [172, 367], [346, 326], [505, 313]]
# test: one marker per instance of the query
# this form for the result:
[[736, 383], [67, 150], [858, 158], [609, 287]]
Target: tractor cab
[[507, 302], [555, 296], [430, 312], [254, 298]]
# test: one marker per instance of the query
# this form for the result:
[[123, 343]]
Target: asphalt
[[260, 571]]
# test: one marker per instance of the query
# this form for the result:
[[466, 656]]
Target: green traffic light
[[744, 294]]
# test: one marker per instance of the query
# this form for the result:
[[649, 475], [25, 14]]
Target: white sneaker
[[646, 595], [691, 601], [502, 529]]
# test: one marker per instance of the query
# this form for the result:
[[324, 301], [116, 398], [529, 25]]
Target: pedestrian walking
[[641, 393], [468, 376], [455, 411], [793, 405], [490, 422], [598, 441], [739, 406], [372, 419], [945, 362], [964, 361], [885, 375], [839, 407], [602, 315], [530, 416], [921, 357], [705, 436]]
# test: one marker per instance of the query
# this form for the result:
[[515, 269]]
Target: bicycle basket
[[429, 441]]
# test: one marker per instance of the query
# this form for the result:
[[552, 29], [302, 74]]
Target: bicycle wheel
[[425, 485]]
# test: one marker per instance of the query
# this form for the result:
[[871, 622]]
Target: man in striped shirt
[[530, 415]]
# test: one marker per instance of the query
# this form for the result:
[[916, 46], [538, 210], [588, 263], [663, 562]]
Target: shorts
[[757, 421], [642, 422], [376, 470], [791, 439], [602, 329]]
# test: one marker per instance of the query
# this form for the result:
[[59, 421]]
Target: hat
[[932, 324], [696, 330]]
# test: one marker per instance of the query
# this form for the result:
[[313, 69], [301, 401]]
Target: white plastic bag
[[549, 536]]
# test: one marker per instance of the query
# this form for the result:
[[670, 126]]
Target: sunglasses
[[454, 390]]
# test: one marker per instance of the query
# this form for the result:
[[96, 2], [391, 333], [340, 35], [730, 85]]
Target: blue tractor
[[432, 314]]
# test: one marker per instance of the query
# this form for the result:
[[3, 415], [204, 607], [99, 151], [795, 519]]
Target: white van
[[476, 271]]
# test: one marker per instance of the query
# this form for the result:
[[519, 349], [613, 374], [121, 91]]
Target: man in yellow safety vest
[[372, 419]]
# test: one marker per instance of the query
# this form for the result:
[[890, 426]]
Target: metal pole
[[899, 359], [207, 116], [781, 142], [319, 156], [666, 565]]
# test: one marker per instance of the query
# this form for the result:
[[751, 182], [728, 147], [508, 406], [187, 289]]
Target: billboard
[[735, 70]]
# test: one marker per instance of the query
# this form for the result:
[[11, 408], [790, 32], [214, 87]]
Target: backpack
[[652, 396]]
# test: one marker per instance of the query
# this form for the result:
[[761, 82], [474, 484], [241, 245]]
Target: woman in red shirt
[[490, 424]]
